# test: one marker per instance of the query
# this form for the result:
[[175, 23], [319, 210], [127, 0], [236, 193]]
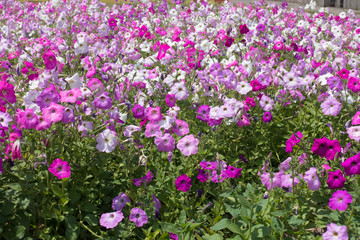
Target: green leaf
[[74, 195], [170, 227], [279, 213], [277, 225], [222, 224], [164, 236], [91, 220], [88, 207], [244, 202], [56, 189], [233, 211], [295, 221], [194, 225], [259, 231], [20, 232], [226, 223], [182, 217], [213, 237], [24, 203], [72, 228], [14, 186], [317, 197]]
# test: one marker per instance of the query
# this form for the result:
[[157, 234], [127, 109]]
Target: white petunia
[[106, 141]]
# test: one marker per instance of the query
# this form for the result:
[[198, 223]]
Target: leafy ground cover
[[171, 121]]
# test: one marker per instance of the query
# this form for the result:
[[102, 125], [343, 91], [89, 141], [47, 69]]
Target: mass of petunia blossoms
[[178, 120]]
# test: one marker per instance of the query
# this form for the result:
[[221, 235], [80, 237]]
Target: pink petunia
[[188, 145], [60, 168], [54, 112], [111, 220], [340, 200], [70, 95]]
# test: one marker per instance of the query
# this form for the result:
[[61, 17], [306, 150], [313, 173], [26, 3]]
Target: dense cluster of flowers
[[125, 73]]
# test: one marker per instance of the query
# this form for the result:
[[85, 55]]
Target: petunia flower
[[111, 220], [334, 231], [183, 183], [340, 200], [138, 216], [60, 168]]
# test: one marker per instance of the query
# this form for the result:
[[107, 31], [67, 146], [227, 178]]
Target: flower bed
[[166, 121]]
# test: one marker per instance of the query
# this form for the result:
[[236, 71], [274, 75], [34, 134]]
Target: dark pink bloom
[[233, 172], [170, 100], [352, 165], [267, 117], [353, 84], [209, 165], [60, 168], [243, 29], [49, 60], [112, 22], [6, 92], [292, 141], [139, 112], [27, 119], [162, 51], [356, 119], [336, 180], [334, 148], [183, 183], [202, 176], [320, 147]]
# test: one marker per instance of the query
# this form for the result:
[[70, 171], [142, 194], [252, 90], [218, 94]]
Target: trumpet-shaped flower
[[106, 141]]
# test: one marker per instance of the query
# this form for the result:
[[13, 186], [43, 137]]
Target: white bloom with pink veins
[[106, 141], [354, 133]]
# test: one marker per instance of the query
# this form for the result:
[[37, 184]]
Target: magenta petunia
[[233, 172], [27, 119], [336, 180], [340, 200], [183, 183], [154, 114], [352, 165], [209, 165], [292, 141], [49, 60], [320, 147], [60, 168], [7, 93]]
